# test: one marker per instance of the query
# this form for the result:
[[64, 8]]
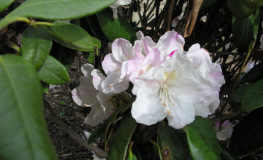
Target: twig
[[226, 117], [77, 154], [158, 24], [170, 13], [71, 133]]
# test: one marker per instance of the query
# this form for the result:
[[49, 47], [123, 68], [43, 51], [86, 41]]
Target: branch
[[226, 117], [71, 133], [170, 13]]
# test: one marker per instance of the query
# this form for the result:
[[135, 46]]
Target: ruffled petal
[[87, 91], [122, 50], [147, 108], [170, 42], [148, 44], [153, 59]]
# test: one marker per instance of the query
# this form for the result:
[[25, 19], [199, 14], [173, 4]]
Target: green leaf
[[60, 9], [247, 135], [91, 57], [131, 155], [73, 37], [6, 21], [226, 153], [202, 139], [53, 72], [171, 144], [115, 28], [118, 143], [23, 132], [36, 45], [241, 9], [93, 24], [206, 4], [253, 97], [5, 4], [105, 126], [254, 75], [236, 97], [242, 33]]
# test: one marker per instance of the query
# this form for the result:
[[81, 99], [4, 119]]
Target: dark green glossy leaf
[[247, 135], [105, 126], [36, 45], [131, 155], [171, 144], [23, 132], [242, 33], [253, 97], [5, 3], [60, 9], [236, 97], [118, 143], [6, 21], [206, 4], [202, 139], [93, 24], [139, 151], [226, 153], [73, 37], [115, 28], [254, 75], [53, 72], [241, 9], [255, 21]]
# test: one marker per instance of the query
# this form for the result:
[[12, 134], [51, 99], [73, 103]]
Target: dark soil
[[64, 107]]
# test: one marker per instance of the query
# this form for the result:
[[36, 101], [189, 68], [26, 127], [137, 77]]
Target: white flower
[[118, 3], [223, 131], [89, 94], [183, 86]]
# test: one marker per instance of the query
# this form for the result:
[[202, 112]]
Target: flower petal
[[147, 108], [87, 91], [182, 112], [148, 44], [113, 83], [86, 70], [122, 50], [98, 78], [169, 42], [109, 64]]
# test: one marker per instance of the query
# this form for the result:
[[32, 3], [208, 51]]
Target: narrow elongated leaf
[[242, 33], [115, 28], [73, 37], [131, 155], [60, 9], [202, 139], [53, 72], [253, 97], [118, 143], [105, 126], [254, 75], [236, 97], [23, 133], [241, 9], [171, 144], [6, 21], [5, 3], [255, 21], [247, 135], [37, 42]]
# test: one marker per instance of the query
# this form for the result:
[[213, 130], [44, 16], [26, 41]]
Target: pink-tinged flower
[[118, 3], [88, 94], [185, 85], [223, 131], [175, 21]]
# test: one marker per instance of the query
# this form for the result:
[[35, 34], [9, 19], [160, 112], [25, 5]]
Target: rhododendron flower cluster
[[168, 82]]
